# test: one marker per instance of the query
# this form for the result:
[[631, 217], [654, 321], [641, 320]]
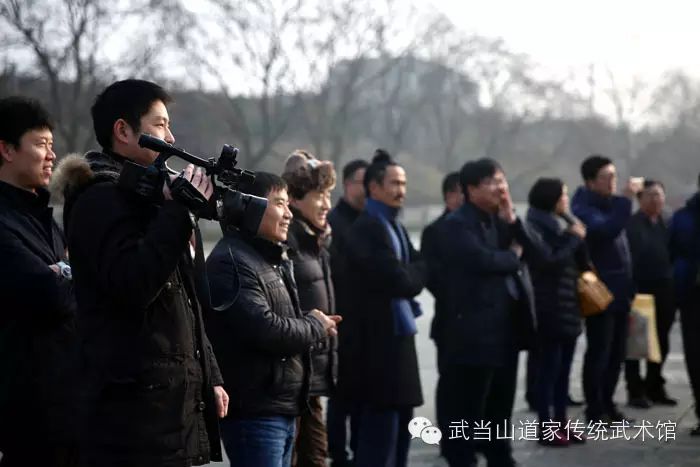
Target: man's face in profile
[[155, 123], [275, 222]]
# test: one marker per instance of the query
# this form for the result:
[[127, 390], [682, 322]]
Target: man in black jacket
[[430, 250], [489, 315], [379, 365], [652, 270], [260, 335], [153, 388], [340, 219], [38, 341]]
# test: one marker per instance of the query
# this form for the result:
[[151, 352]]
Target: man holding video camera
[[153, 389]]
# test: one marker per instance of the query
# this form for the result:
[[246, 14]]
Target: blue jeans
[[259, 442]]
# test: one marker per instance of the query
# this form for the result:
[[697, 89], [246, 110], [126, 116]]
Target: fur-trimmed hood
[[75, 172]]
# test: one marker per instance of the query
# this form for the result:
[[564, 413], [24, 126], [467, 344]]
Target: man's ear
[[121, 131], [7, 151], [372, 187], [294, 202]]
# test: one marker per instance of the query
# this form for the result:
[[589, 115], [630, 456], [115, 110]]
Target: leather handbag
[[594, 295]]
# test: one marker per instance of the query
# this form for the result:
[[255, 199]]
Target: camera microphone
[[155, 144]]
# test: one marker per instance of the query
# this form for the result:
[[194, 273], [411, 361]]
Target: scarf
[[405, 310]]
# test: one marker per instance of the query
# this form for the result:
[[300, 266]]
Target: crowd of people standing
[[294, 342]]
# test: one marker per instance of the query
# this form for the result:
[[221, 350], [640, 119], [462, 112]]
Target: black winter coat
[[150, 367], [555, 271], [485, 321], [378, 368], [341, 219], [260, 335], [312, 273], [39, 350], [431, 252]]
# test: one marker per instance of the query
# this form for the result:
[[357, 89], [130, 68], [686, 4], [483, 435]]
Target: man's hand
[[578, 229], [517, 249], [221, 401], [197, 178], [55, 268], [506, 210], [330, 322], [633, 187]]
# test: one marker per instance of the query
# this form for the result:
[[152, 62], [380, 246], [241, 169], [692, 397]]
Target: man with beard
[[379, 370]]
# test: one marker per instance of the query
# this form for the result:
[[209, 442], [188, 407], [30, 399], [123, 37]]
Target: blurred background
[[537, 85]]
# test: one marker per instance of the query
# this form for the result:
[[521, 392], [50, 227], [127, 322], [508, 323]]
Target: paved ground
[[681, 452]]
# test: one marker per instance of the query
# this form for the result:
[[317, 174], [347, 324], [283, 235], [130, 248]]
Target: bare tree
[[675, 102], [68, 45], [251, 59], [627, 102], [337, 56]]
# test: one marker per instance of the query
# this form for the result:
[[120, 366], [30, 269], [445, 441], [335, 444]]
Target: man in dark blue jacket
[[684, 232], [488, 315], [606, 215]]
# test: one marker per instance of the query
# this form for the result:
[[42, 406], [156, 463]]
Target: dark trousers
[[690, 328], [382, 437], [311, 447], [475, 394], [552, 389], [339, 412], [440, 416], [605, 351], [665, 316], [40, 454], [531, 378]]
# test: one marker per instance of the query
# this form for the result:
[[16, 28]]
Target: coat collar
[[346, 209], [584, 195], [469, 212], [307, 235], [274, 253], [106, 164], [24, 199], [544, 219]]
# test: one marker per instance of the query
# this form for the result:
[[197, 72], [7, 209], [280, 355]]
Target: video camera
[[228, 203]]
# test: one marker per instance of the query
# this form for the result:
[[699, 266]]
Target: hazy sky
[[643, 38]]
